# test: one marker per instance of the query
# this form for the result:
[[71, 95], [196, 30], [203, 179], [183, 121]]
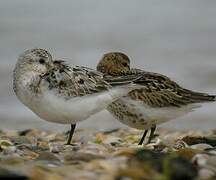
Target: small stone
[[127, 152], [71, 148], [12, 160], [43, 145], [112, 140], [171, 166], [44, 174], [211, 140], [99, 149], [21, 140], [212, 162], [24, 132], [4, 144], [8, 174], [23, 147], [206, 174], [99, 138], [9, 150], [47, 156], [188, 153], [211, 151], [151, 158], [28, 154], [180, 145], [207, 163], [190, 140], [201, 147], [55, 147], [178, 168], [200, 159], [78, 156]]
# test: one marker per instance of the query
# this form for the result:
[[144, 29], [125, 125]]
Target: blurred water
[[176, 38]]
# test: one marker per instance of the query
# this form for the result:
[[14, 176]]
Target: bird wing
[[75, 81], [121, 79], [160, 91]]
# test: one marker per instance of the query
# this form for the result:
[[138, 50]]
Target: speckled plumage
[[74, 81], [60, 93], [158, 100]]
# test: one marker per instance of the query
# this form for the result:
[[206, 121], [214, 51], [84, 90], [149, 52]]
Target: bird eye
[[125, 64], [41, 61]]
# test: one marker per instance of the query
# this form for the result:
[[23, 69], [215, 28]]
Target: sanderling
[[60, 93], [158, 100]]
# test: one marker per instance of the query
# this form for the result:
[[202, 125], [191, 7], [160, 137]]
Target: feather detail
[[160, 91]]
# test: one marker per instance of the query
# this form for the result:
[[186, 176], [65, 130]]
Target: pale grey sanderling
[[60, 93], [158, 100]]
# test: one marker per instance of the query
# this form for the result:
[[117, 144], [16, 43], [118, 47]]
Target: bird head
[[114, 63], [38, 61]]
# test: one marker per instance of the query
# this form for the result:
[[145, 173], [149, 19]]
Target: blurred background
[[176, 38]]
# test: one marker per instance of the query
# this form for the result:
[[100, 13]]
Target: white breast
[[53, 108], [147, 116], [56, 109]]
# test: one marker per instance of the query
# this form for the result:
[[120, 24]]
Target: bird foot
[[71, 144]]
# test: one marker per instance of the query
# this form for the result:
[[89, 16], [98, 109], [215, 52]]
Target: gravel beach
[[34, 154]]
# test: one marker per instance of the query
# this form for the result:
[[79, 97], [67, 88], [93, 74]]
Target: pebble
[[47, 156], [201, 147], [32, 153], [21, 140], [9, 174], [206, 173], [180, 144], [79, 156], [112, 140], [4, 144], [55, 147]]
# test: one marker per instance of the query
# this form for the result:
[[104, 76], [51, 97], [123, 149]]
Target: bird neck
[[26, 83]]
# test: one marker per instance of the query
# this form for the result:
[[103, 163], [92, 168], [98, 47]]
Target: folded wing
[[159, 91], [75, 81]]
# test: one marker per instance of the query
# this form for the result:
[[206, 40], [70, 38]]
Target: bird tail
[[198, 97]]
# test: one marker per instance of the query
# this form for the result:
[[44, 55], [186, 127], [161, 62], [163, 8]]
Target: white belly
[[142, 116], [58, 110], [53, 108]]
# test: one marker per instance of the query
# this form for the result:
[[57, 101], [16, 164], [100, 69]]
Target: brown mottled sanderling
[[64, 94], [159, 99]]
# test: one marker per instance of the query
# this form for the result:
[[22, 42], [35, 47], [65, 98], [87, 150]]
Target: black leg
[[143, 137], [73, 126], [151, 134]]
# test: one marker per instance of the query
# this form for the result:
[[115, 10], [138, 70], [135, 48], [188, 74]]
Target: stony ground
[[34, 154]]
